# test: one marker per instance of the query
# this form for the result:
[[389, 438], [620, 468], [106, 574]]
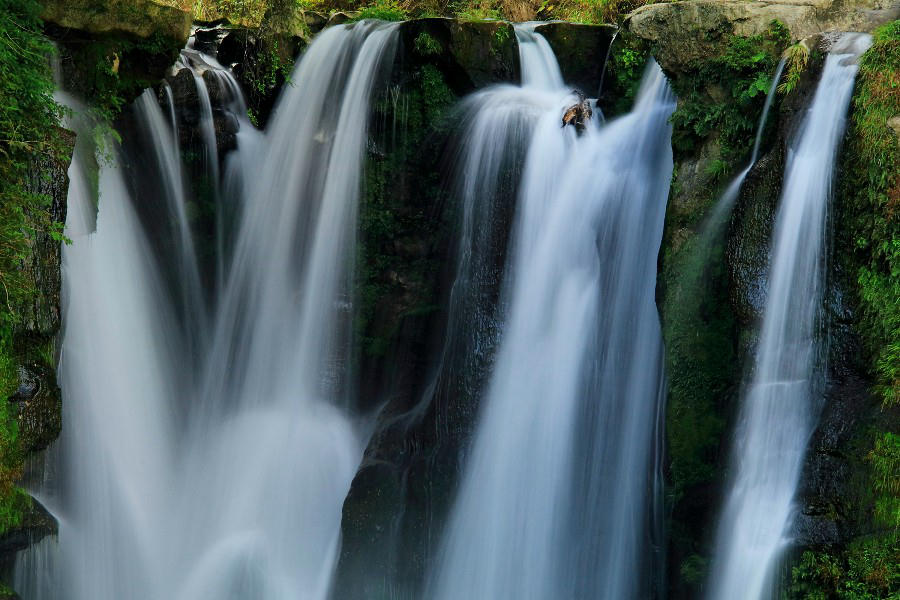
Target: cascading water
[[554, 501], [726, 201], [229, 486], [783, 399], [538, 64]]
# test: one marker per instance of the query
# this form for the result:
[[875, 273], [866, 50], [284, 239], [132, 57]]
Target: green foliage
[[12, 499], [269, 69], [885, 474], [28, 128], [694, 569], [477, 10], [426, 45], [240, 12], [724, 95], [625, 69], [871, 203], [29, 120], [869, 569], [384, 10], [501, 36]]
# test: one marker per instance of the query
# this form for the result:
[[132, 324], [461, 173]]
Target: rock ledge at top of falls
[[580, 50], [693, 30], [141, 18]]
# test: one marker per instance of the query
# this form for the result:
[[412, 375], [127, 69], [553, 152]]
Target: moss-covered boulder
[[692, 30], [140, 18]]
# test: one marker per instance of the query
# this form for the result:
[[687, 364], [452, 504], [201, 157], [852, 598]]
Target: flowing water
[[557, 498], [167, 488], [782, 401], [726, 202]]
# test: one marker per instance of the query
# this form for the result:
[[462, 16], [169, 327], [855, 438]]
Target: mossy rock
[[36, 524], [691, 30], [141, 18], [472, 54]]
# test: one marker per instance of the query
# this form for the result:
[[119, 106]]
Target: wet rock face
[[39, 406], [471, 55], [36, 524], [750, 234], [48, 176], [37, 398], [829, 484]]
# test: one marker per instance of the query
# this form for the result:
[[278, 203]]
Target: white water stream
[[230, 487], [558, 495], [782, 401]]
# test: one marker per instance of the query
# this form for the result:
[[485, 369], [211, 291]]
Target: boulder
[[140, 18], [691, 30]]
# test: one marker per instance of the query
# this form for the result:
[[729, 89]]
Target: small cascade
[[166, 161], [726, 202], [227, 484], [538, 64], [573, 403], [783, 398], [497, 125]]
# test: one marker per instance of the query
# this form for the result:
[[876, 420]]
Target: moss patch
[[29, 120], [871, 206]]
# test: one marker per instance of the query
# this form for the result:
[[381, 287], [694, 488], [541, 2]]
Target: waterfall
[[726, 201], [227, 484], [539, 66], [553, 501], [782, 401]]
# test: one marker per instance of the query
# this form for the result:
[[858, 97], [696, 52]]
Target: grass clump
[[591, 11], [426, 45], [796, 59]]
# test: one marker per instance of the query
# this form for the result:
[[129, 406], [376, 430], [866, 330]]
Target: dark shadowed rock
[[471, 54], [581, 51]]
